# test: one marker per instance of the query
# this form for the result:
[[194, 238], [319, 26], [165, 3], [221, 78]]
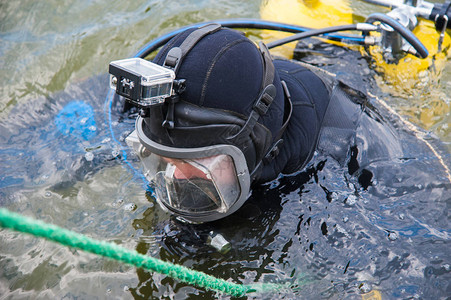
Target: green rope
[[76, 240]]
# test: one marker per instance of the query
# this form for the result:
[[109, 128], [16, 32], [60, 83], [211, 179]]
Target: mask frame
[[140, 142]]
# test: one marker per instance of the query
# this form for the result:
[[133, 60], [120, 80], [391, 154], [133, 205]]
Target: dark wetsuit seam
[[320, 120], [313, 149], [212, 65], [303, 104], [310, 98], [309, 157]]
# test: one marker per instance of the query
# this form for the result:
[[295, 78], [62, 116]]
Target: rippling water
[[328, 233]]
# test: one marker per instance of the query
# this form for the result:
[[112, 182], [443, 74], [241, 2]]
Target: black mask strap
[[265, 98], [174, 58], [275, 148], [268, 65], [177, 54]]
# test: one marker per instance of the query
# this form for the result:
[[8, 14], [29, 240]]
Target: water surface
[[327, 231]]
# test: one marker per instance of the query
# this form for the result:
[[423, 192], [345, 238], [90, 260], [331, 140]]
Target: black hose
[[310, 33], [403, 31], [440, 13], [242, 23]]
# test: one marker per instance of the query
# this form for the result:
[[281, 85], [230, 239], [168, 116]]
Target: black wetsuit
[[330, 117]]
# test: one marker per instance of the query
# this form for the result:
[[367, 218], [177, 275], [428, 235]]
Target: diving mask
[[197, 184]]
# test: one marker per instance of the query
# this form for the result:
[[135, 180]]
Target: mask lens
[[198, 185], [189, 196]]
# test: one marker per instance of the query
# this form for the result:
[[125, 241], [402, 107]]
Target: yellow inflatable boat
[[409, 77], [405, 73]]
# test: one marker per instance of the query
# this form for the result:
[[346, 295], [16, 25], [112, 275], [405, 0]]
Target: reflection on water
[[330, 231]]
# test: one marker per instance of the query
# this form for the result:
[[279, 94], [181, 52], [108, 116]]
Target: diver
[[230, 117]]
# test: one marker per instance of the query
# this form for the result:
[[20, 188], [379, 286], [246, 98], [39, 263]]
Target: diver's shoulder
[[304, 72]]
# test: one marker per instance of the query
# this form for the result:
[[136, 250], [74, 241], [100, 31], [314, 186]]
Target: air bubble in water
[[118, 202], [115, 152], [351, 200], [89, 156], [130, 206], [392, 236], [333, 196]]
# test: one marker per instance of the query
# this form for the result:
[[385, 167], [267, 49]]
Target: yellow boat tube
[[308, 13], [324, 13], [410, 78]]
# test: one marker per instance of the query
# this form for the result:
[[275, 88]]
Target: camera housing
[[140, 81]]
